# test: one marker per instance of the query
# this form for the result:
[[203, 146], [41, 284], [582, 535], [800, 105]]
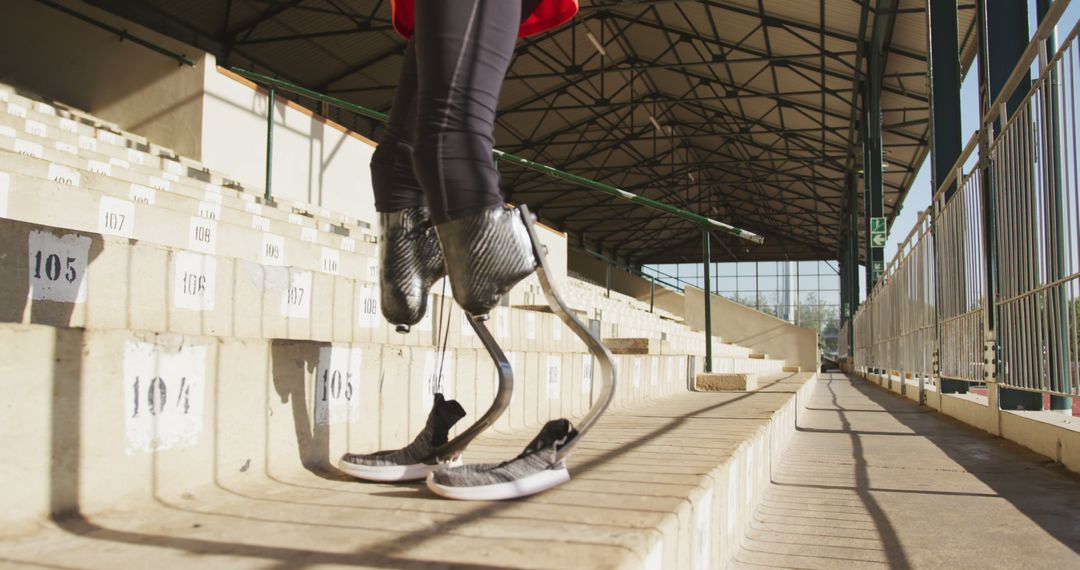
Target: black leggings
[[437, 148]]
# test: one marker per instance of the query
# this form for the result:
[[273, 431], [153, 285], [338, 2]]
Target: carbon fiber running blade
[[608, 371], [502, 396]]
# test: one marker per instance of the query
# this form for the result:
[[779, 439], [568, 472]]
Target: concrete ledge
[[758, 356], [636, 345], [1052, 434], [719, 382], [793, 369], [1056, 436]]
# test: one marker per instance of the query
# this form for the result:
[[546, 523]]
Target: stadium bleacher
[[167, 295]]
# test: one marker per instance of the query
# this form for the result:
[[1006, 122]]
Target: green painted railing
[[704, 222]]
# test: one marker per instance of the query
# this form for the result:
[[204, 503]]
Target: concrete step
[[84, 279], [212, 203], [119, 284], [190, 451], [210, 388], [86, 132], [636, 345], [248, 207], [33, 199], [104, 145], [65, 118]]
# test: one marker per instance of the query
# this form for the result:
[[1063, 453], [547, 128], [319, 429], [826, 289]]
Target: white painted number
[[116, 217], [337, 385], [141, 194], [438, 376], [64, 175], [296, 299], [163, 396], [331, 260], [58, 267], [273, 249], [203, 235], [196, 281], [554, 380], [209, 210], [35, 128], [367, 301], [29, 148], [586, 374]]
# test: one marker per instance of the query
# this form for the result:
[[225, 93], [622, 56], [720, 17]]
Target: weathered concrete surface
[[747, 327], [872, 480], [669, 484], [713, 382], [636, 345]]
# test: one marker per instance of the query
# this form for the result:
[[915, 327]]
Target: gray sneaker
[[414, 461], [534, 470]]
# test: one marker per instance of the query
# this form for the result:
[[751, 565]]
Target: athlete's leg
[[392, 175], [410, 259], [463, 49]]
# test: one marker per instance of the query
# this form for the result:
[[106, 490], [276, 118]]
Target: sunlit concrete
[[872, 480], [666, 484]]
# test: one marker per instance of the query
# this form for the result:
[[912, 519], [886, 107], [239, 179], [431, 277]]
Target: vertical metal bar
[[706, 258], [1059, 349], [945, 135], [652, 293], [607, 280], [1003, 38], [268, 196]]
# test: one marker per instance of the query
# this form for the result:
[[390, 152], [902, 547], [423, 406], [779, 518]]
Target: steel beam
[[1004, 37], [946, 140]]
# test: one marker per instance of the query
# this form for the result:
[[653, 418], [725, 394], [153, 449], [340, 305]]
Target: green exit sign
[[878, 232]]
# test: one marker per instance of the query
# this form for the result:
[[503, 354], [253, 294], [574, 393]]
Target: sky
[[918, 197]]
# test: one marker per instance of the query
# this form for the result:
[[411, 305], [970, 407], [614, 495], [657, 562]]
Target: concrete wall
[[624, 282], [57, 56], [315, 160], [1052, 434], [741, 325], [201, 113]]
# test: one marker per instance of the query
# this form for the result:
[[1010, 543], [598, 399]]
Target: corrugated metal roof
[[755, 98]]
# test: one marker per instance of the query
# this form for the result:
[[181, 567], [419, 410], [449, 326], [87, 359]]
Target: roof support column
[[853, 246], [945, 136], [706, 254], [1055, 238], [873, 191], [849, 260], [1003, 36]]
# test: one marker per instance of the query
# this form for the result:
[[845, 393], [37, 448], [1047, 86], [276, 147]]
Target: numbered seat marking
[[116, 217], [57, 266]]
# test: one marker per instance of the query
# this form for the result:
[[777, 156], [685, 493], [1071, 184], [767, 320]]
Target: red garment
[[549, 14]]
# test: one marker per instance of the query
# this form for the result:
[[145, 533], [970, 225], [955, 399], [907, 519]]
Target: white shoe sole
[[535, 483], [391, 473]]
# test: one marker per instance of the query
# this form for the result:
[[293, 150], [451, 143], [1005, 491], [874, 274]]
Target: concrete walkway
[[872, 480]]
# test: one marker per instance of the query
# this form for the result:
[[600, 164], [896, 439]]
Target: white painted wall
[[314, 161]]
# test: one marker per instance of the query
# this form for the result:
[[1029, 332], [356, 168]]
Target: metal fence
[[986, 287], [1033, 164], [961, 276]]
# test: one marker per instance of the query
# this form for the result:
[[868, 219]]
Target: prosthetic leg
[[541, 465]]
